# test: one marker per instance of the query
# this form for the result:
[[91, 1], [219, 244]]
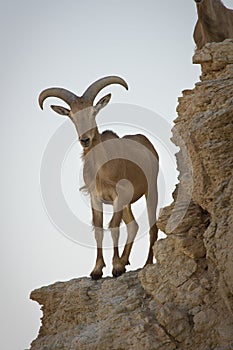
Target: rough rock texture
[[185, 300]]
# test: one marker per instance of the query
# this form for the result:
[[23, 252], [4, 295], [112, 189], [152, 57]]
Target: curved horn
[[92, 91], [63, 94]]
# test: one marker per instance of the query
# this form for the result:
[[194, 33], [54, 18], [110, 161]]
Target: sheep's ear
[[61, 110], [102, 103]]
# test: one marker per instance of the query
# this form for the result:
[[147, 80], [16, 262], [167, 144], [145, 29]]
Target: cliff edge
[[185, 300]]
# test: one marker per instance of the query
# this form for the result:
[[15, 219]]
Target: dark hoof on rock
[[117, 273], [96, 276]]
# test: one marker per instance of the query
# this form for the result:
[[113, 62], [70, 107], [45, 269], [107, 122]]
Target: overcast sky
[[71, 44]]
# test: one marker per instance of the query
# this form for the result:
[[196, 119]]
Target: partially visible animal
[[117, 171], [214, 24]]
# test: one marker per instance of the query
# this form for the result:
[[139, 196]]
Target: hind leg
[[132, 229], [122, 210], [151, 202], [153, 238]]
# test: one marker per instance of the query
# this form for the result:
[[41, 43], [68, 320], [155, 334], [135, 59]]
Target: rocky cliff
[[185, 300]]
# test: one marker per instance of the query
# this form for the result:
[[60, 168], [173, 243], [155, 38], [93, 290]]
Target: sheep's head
[[82, 111]]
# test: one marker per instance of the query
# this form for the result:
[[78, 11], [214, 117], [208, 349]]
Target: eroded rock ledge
[[185, 300]]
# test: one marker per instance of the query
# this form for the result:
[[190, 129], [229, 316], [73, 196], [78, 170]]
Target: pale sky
[[70, 44]]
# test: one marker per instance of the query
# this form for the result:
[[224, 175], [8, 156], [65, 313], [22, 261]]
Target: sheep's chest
[[99, 183], [105, 189]]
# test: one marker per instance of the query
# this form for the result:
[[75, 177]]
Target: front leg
[[97, 220], [114, 225]]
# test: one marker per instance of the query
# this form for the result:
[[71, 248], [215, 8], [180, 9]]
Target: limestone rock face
[[185, 300], [106, 314]]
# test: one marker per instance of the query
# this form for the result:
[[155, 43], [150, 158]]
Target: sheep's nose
[[85, 142]]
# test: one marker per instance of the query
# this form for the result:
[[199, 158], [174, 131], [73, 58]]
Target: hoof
[[118, 272], [96, 276]]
